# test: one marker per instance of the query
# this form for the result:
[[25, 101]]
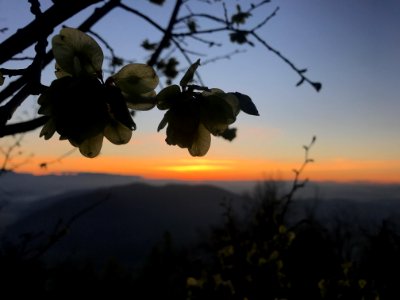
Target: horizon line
[[193, 180]]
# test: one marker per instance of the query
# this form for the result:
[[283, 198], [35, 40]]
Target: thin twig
[[316, 85], [221, 57], [22, 58], [167, 34], [58, 159], [297, 184], [8, 153], [12, 72], [35, 7], [261, 24], [27, 36], [23, 126]]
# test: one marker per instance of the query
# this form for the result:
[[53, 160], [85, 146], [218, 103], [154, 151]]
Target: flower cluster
[[81, 107], [193, 116]]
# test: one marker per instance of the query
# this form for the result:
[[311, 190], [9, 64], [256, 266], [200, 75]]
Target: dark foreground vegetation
[[266, 253]]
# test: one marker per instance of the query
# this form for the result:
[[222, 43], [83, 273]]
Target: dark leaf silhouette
[[246, 104], [317, 86], [229, 134]]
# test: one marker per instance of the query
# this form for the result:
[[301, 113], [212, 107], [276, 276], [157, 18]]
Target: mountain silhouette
[[122, 222]]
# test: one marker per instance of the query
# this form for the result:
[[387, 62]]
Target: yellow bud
[[362, 283], [282, 229], [191, 281]]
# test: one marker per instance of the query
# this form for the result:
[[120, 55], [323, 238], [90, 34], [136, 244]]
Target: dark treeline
[[262, 254]]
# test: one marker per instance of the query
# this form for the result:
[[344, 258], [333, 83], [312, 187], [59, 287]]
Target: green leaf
[[218, 110], [48, 129], [163, 122], [246, 104], [229, 134], [149, 46], [317, 86], [239, 37], [118, 107], [191, 24], [189, 74], [169, 68], [240, 17]]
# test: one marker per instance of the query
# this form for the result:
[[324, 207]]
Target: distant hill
[[24, 187], [134, 216], [18, 190], [130, 220], [29, 187]]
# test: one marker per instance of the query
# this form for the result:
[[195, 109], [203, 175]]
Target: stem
[[23, 126], [167, 35], [42, 25]]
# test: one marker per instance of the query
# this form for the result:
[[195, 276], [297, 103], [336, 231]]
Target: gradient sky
[[351, 46]]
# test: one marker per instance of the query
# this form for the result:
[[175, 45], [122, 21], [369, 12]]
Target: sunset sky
[[351, 46]]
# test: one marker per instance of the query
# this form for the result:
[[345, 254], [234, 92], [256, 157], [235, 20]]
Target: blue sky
[[351, 46]]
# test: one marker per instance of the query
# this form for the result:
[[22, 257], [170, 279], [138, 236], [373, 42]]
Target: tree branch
[[42, 25], [98, 14], [21, 81], [143, 16], [316, 85], [23, 84], [167, 35], [23, 126], [296, 184]]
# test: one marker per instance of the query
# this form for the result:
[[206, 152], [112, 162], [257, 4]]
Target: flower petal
[[45, 110], [183, 124], [167, 96], [136, 79], [60, 73], [201, 143], [164, 121], [218, 110], [229, 98], [188, 77], [91, 147], [141, 102], [118, 108], [48, 129], [141, 106], [117, 133], [77, 53]]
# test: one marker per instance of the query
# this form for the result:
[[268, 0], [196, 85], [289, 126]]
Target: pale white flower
[[77, 53], [193, 117], [82, 108], [137, 83], [218, 110]]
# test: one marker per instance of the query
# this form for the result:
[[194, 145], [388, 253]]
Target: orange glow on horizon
[[341, 170]]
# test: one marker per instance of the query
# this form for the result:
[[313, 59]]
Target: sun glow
[[199, 166], [342, 170]]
